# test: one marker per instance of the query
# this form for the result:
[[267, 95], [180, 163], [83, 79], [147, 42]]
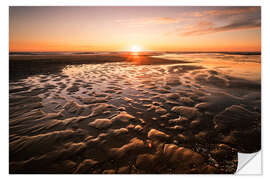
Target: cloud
[[150, 21], [165, 20], [221, 20], [227, 11], [210, 28], [205, 20]]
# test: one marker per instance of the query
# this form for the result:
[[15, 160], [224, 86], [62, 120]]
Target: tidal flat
[[133, 113]]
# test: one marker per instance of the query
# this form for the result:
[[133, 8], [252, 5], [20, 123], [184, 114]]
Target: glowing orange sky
[[120, 28]]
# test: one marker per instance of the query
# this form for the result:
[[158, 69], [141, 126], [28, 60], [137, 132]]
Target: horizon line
[[125, 51]]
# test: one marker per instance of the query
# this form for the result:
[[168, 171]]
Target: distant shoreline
[[124, 52]]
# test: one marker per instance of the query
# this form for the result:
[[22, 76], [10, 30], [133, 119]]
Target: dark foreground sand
[[131, 114]]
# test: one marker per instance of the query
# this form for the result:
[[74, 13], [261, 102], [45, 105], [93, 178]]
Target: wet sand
[[130, 113]]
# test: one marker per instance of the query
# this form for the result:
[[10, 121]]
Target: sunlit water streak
[[244, 66]]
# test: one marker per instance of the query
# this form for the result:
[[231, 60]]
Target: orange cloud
[[225, 12], [150, 21], [202, 28], [221, 20]]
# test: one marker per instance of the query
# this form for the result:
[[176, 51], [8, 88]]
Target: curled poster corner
[[249, 163]]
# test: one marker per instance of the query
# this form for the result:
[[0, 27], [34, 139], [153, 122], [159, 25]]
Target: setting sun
[[135, 48]]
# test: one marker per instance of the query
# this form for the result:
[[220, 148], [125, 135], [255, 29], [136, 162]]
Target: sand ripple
[[125, 118]]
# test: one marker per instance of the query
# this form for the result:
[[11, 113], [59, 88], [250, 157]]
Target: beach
[[133, 113]]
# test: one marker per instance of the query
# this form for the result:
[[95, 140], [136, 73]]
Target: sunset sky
[[121, 28]]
